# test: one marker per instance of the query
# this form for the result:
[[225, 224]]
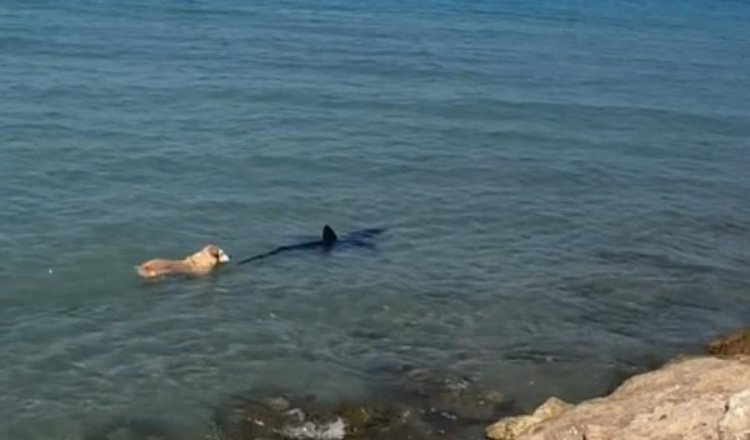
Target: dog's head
[[217, 253]]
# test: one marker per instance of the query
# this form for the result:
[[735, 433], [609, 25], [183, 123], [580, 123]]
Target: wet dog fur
[[200, 263]]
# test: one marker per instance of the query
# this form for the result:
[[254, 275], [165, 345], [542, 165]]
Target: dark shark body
[[328, 240]]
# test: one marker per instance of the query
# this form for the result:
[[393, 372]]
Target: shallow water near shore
[[565, 192]]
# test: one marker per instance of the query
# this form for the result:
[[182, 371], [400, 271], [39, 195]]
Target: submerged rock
[[734, 343], [283, 418], [699, 398], [453, 397], [421, 404], [379, 421]]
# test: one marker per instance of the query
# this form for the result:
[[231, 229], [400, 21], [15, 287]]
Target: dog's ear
[[213, 250]]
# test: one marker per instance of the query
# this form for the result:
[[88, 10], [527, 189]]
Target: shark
[[328, 240]]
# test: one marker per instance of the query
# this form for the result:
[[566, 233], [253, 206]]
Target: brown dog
[[200, 263]]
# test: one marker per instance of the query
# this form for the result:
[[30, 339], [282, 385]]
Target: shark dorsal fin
[[328, 235]]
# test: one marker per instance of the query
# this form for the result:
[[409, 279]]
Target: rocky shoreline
[[705, 396], [698, 397]]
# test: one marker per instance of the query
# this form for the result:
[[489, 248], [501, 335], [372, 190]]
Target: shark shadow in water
[[328, 241]]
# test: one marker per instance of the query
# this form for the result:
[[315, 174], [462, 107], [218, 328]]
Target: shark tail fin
[[328, 234]]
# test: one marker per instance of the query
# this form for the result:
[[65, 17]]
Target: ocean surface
[[565, 187]]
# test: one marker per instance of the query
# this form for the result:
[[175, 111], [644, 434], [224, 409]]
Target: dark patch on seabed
[[424, 405], [420, 405]]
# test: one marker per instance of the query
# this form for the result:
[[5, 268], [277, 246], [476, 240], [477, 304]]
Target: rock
[[365, 420], [276, 417], [734, 343], [735, 425], [553, 407], [700, 398], [453, 397], [284, 418], [512, 427]]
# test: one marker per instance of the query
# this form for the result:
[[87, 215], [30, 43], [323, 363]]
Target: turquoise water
[[565, 189]]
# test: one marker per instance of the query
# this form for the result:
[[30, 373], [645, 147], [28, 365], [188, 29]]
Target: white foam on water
[[330, 431]]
